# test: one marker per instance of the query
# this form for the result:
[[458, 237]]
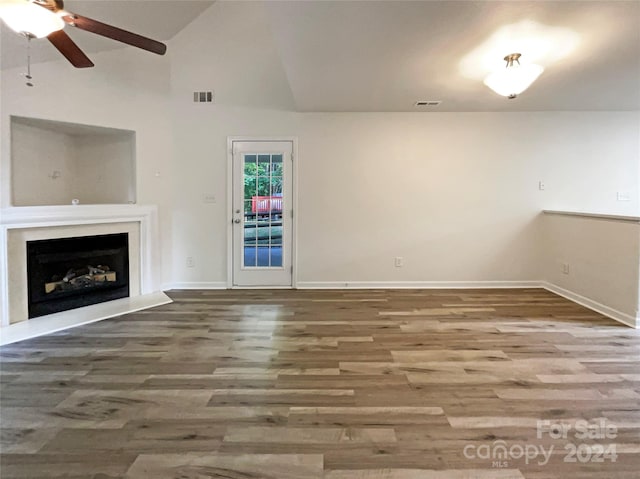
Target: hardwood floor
[[329, 384]]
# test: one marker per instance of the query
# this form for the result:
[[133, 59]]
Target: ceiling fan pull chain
[[28, 75]]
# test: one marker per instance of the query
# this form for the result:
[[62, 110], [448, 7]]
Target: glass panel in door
[[263, 198]]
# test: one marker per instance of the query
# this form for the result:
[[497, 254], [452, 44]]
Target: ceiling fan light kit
[[29, 19], [514, 78]]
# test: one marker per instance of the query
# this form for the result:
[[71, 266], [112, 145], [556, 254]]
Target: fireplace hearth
[[69, 273]]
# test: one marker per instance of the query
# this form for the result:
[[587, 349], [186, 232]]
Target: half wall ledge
[[597, 216]]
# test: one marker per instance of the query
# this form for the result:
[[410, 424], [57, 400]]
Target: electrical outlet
[[565, 268], [399, 262], [190, 262]]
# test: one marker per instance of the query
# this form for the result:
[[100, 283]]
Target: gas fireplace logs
[[81, 278]]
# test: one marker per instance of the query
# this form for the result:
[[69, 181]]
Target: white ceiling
[[385, 55]]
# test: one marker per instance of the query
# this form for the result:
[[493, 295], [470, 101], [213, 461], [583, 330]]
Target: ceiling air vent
[[203, 97], [429, 103]]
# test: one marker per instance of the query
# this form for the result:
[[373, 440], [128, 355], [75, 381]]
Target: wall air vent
[[203, 97], [429, 103]]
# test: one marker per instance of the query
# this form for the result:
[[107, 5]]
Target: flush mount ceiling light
[[514, 78], [29, 19]]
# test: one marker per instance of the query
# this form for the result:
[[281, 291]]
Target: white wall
[[589, 159], [37, 153], [446, 192], [105, 170], [603, 258], [127, 89], [455, 194], [52, 167], [228, 49], [199, 228], [442, 191]]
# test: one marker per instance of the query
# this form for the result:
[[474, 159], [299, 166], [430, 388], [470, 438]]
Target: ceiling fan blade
[[115, 33], [69, 49]]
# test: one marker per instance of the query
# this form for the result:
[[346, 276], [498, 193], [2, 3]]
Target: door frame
[[294, 204]]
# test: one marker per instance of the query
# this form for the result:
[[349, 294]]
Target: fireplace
[[69, 273]]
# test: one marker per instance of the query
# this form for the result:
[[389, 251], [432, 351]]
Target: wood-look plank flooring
[[325, 384]]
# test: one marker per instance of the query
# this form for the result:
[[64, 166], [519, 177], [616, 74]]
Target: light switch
[[624, 196]]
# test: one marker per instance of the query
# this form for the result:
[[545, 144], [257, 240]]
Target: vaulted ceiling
[[386, 55]]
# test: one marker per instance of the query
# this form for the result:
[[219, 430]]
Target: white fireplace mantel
[[43, 217], [40, 216]]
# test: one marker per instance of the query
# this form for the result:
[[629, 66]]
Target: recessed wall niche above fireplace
[[55, 163], [68, 273]]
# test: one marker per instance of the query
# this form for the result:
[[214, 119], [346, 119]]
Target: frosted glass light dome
[[25, 17], [515, 78]]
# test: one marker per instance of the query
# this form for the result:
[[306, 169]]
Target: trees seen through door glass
[[263, 206]]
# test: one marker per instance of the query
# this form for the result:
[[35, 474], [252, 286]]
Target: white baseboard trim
[[77, 317], [612, 313], [262, 287], [619, 316], [195, 285], [417, 284]]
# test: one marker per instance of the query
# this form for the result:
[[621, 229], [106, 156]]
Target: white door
[[262, 213]]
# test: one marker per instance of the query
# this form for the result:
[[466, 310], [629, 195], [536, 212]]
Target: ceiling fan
[[47, 18]]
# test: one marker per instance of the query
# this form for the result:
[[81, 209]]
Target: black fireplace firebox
[[70, 273]]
